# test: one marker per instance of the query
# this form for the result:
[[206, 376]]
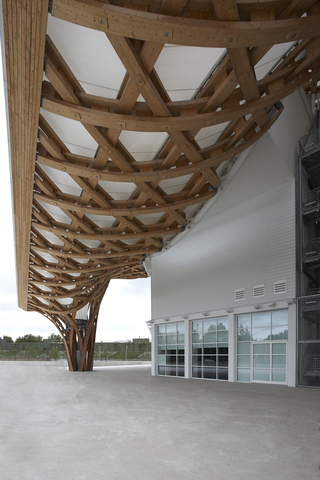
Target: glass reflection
[[260, 334], [223, 336], [244, 321], [244, 335], [244, 347], [209, 337], [223, 323], [261, 319], [210, 372], [209, 325], [280, 333], [244, 361], [261, 361], [280, 317]]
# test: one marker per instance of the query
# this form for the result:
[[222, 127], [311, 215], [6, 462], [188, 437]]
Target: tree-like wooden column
[[78, 327]]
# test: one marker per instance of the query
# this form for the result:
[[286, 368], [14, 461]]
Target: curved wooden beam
[[159, 28]]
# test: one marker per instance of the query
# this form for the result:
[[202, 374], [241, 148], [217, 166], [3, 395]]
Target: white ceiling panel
[[101, 220], [150, 219], [174, 185], [90, 243], [56, 213], [271, 58], [51, 237], [62, 180], [90, 56], [182, 70], [47, 257], [118, 190], [72, 133], [209, 135], [143, 146]]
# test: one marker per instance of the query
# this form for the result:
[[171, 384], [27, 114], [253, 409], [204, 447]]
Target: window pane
[[223, 373], [161, 340], [260, 334], [180, 327], [196, 360], [261, 361], [261, 319], [244, 321], [244, 347], [209, 360], [279, 333], [171, 328], [161, 349], [197, 372], [262, 375], [223, 323], [171, 371], [209, 337], [244, 361], [197, 338], [223, 349], [161, 359], [280, 318], [180, 371], [171, 350], [180, 337], [278, 375], [161, 329], [209, 372], [261, 349], [196, 326], [223, 336], [161, 370], [180, 359], [243, 375], [180, 350], [197, 348], [171, 360], [278, 361], [171, 339], [209, 325], [209, 349], [244, 335], [279, 348], [223, 360]]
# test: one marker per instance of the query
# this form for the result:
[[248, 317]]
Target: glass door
[[260, 362], [268, 362]]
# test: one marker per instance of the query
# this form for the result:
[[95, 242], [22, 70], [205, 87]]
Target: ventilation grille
[[280, 287], [239, 294], [258, 291]]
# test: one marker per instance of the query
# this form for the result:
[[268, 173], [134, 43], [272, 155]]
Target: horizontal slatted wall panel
[[248, 245]]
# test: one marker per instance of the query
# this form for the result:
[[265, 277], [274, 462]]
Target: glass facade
[[170, 345], [262, 346], [210, 348]]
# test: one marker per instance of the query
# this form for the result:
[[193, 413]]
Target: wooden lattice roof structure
[[124, 117]]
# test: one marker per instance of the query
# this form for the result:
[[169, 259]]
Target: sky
[[126, 305]]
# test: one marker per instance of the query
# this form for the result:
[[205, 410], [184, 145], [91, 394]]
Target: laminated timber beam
[[80, 220]]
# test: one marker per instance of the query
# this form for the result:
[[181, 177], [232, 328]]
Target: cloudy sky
[[126, 305]]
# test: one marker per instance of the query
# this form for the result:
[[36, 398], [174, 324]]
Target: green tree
[[55, 338], [29, 338], [54, 354], [31, 353], [6, 338]]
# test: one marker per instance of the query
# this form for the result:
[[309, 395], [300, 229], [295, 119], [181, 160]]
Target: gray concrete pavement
[[120, 423]]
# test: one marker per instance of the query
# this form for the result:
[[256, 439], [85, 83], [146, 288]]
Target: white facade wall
[[246, 239], [248, 245]]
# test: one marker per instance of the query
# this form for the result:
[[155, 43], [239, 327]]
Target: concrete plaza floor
[[119, 423]]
